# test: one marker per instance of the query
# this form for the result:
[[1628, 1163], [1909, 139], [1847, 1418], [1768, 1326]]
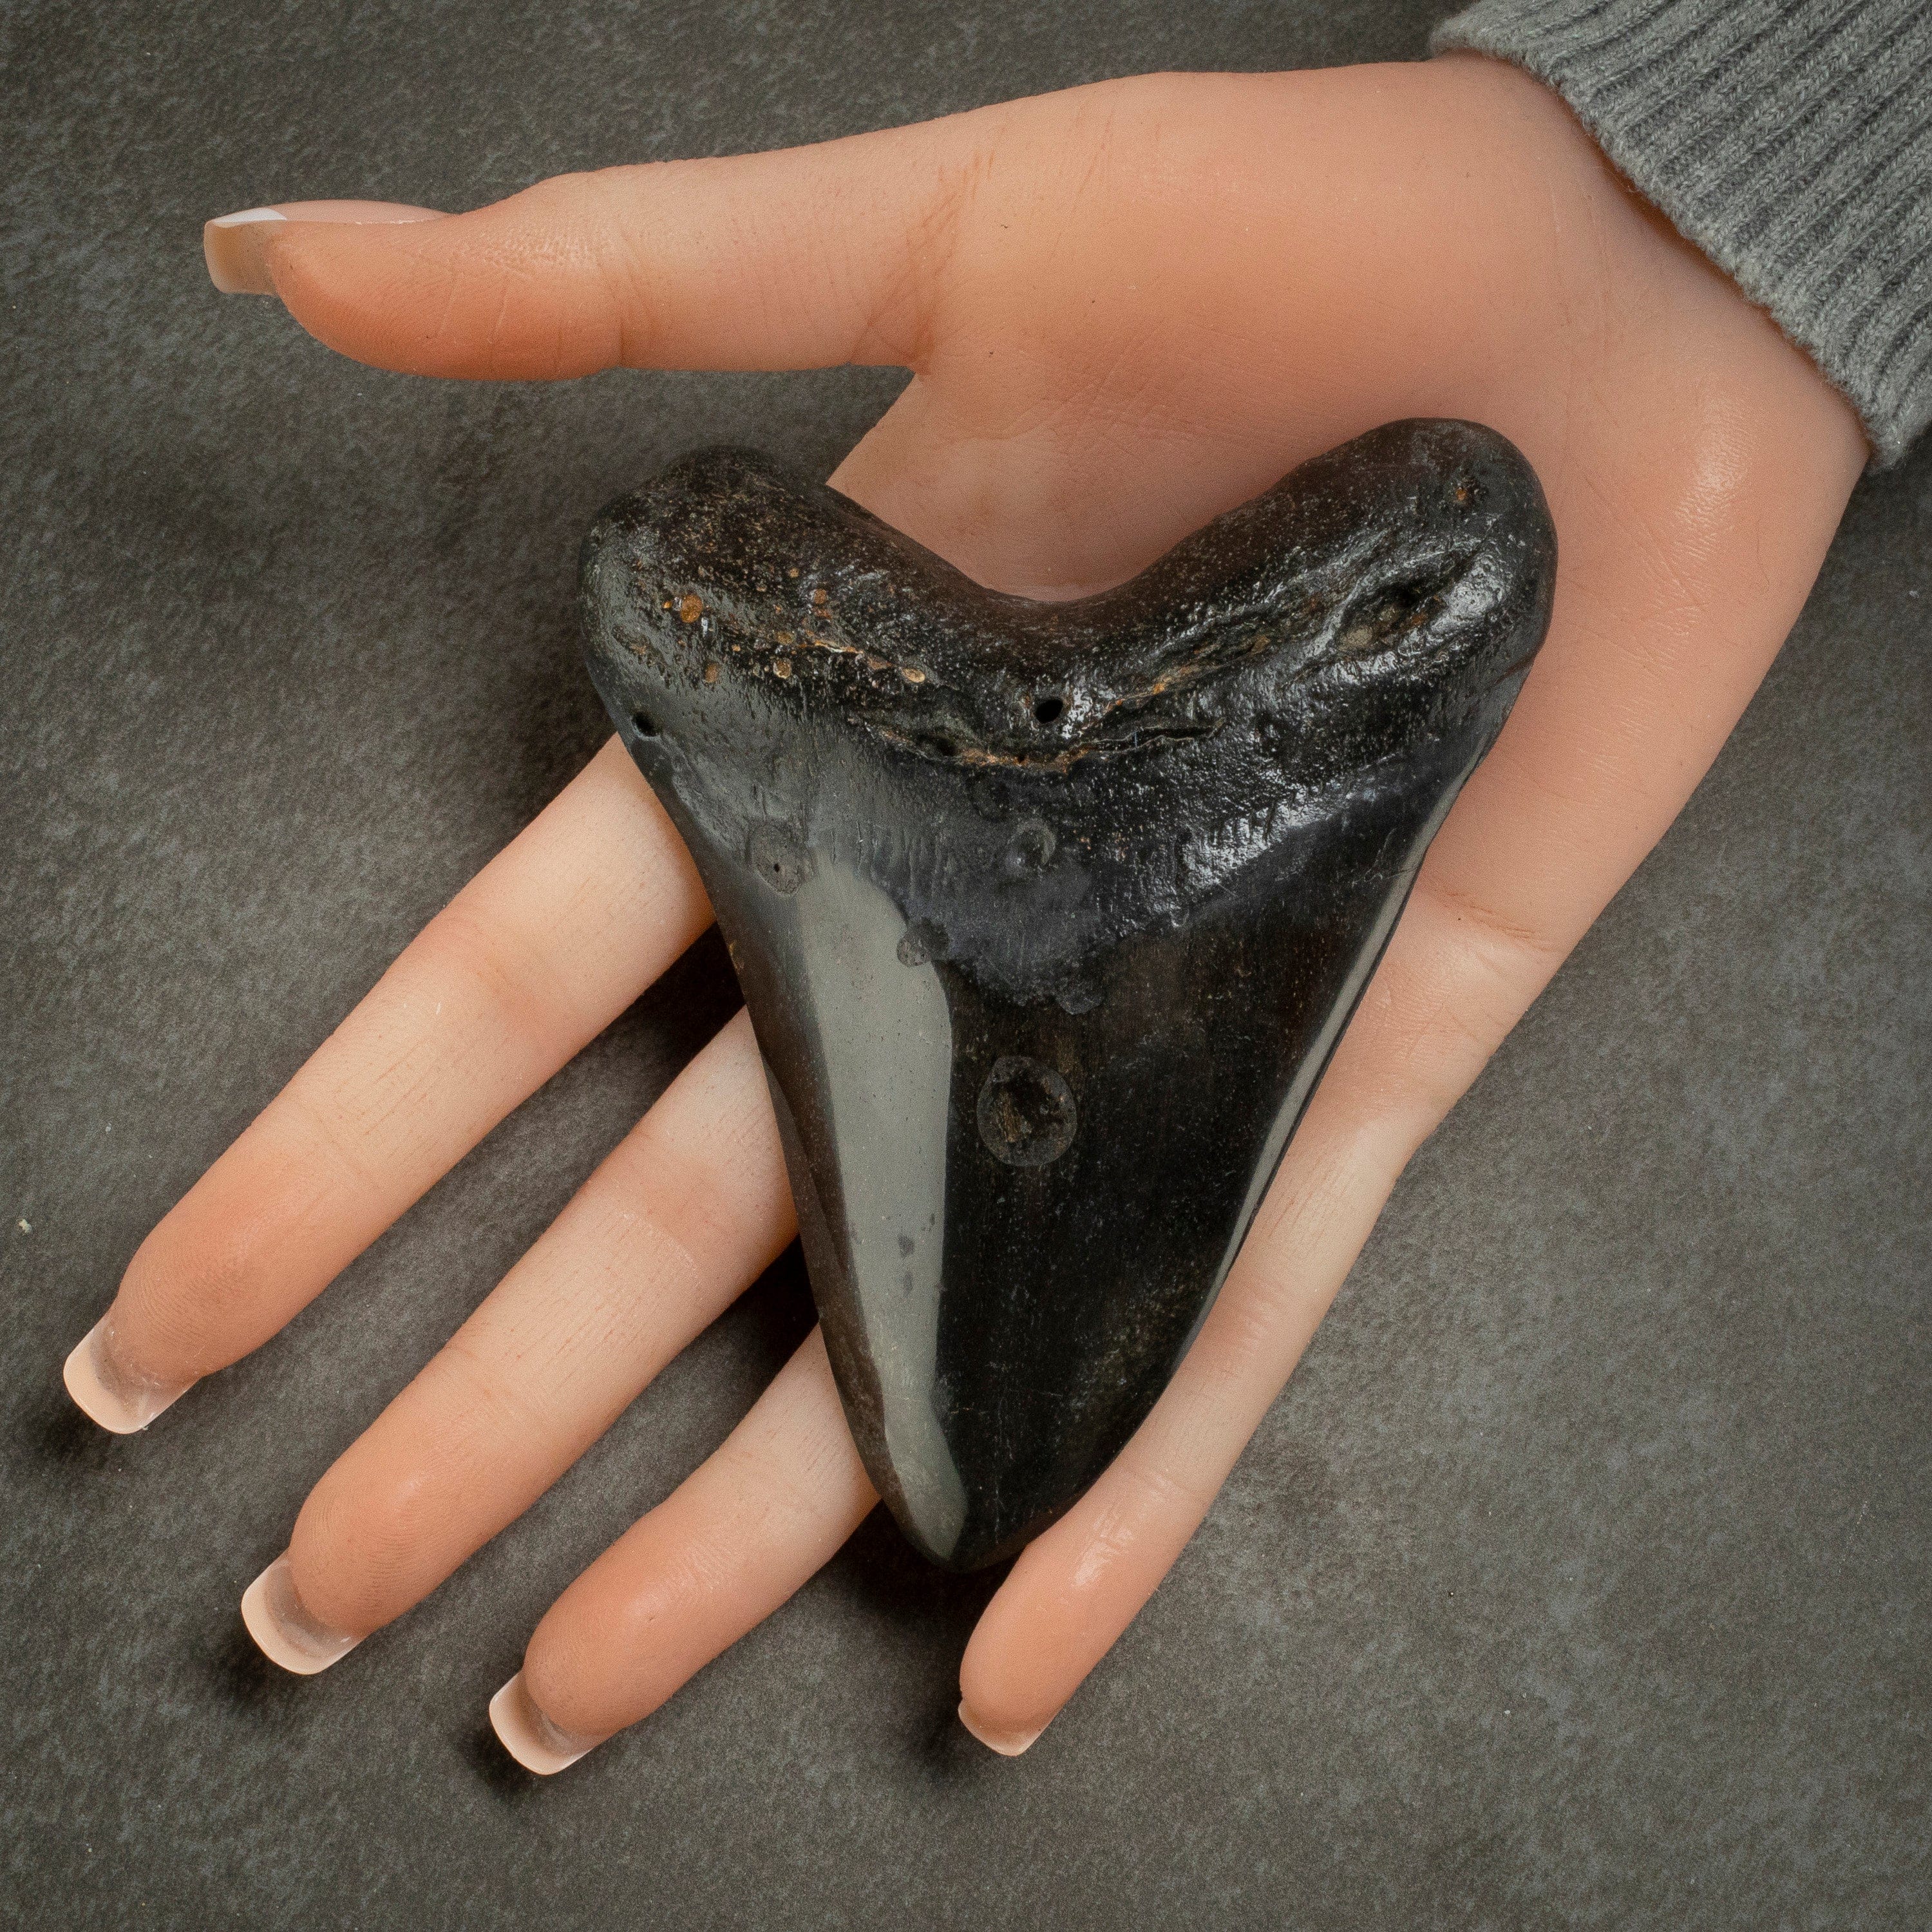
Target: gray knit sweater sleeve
[[1790, 139]]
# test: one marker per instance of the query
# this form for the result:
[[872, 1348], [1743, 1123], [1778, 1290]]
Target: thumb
[[798, 259]]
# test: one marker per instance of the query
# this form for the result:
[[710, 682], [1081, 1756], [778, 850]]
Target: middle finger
[[686, 1213]]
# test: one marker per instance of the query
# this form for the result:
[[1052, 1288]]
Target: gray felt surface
[[1581, 1576]]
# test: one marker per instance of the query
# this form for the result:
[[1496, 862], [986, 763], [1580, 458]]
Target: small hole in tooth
[[1047, 709], [643, 724]]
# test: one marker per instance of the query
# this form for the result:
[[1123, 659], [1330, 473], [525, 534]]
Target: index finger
[[538, 953]]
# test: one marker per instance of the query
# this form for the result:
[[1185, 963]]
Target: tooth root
[[1047, 947]]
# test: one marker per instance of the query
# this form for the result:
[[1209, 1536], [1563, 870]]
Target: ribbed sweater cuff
[[1791, 140]]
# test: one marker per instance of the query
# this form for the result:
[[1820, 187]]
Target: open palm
[[1126, 308]]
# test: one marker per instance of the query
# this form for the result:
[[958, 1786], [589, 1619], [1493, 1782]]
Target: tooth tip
[[282, 1630], [527, 1735], [1007, 1744]]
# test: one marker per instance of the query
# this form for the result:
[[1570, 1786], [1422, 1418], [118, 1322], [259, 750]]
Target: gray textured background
[[1581, 1576]]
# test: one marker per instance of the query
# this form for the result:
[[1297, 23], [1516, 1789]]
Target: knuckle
[[506, 967], [1503, 941]]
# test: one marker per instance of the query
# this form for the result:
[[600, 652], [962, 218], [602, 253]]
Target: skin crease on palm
[[1126, 308]]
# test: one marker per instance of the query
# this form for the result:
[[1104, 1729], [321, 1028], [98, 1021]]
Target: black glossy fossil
[[1049, 915]]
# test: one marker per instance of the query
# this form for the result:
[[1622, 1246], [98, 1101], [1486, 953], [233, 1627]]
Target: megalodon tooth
[[1049, 915]]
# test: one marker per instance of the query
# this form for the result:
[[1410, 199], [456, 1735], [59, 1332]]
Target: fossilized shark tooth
[[1049, 915]]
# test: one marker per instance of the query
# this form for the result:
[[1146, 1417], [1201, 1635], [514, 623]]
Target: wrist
[[1665, 317]]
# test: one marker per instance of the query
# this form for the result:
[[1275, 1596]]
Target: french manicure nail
[[231, 244], [529, 1736], [238, 262], [283, 1630], [108, 1393], [1008, 1744]]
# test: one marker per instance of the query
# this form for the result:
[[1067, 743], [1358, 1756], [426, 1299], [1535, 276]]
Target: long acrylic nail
[[529, 1736], [235, 247], [108, 1393], [1008, 1744], [284, 1631], [232, 246]]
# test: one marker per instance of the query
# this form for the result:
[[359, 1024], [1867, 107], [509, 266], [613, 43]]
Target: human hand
[[1127, 307]]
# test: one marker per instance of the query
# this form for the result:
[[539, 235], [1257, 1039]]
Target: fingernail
[[283, 1630], [529, 1736], [1008, 1744], [233, 244], [105, 1391]]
